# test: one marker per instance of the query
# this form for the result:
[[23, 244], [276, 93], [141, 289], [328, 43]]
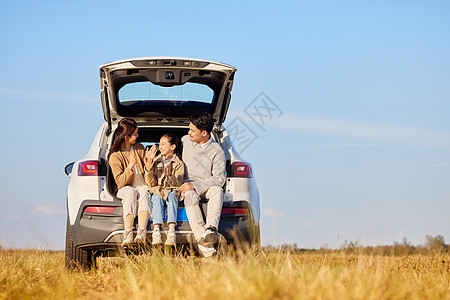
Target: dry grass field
[[334, 274]]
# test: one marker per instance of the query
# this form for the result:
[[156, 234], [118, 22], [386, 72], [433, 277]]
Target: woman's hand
[[150, 156]]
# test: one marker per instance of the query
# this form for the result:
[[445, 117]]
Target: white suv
[[159, 93]]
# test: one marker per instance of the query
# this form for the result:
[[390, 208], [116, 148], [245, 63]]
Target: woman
[[126, 158]]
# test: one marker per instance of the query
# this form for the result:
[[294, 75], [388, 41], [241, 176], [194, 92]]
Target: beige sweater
[[118, 161]]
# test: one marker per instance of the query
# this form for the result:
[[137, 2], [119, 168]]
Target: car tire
[[257, 237], [76, 256], [223, 248], [69, 257]]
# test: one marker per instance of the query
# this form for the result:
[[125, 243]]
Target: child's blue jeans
[[158, 208]]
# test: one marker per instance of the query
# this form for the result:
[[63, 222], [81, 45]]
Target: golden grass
[[33, 274]]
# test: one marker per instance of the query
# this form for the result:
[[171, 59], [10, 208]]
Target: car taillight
[[91, 168], [241, 169], [233, 211], [100, 209]]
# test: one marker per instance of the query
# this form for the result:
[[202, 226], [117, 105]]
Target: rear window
[[146, 93]]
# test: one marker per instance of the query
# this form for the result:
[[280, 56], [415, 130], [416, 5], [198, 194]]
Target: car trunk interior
[[148, 136]]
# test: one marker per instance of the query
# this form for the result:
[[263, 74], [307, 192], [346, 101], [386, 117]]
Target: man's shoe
[[127, 238], [171, 238], [211, 237], [156, 237], [205, 249], [140, 238]]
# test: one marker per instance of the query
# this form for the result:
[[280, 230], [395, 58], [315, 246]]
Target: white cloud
[[48, 210], [13, 217], [372, 132]]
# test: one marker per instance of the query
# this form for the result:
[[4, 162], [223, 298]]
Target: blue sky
[[359, 149]]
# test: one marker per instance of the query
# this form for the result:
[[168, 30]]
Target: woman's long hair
[[173, 140], [126, 127]]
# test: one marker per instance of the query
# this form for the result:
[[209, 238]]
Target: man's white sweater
[[205, 164]]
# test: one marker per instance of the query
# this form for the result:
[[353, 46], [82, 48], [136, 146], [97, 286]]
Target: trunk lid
[[163, 89]]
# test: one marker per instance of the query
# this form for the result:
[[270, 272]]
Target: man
[[205, 177]]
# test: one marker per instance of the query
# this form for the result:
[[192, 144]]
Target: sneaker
[[211, 237], [140, 238], [205, 249], [127, 238], [171, 238], [156, 237]]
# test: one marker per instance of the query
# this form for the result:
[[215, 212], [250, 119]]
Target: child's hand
[[150, 156]]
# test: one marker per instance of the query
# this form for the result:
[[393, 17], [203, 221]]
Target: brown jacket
[[161, 184], [119, 161]]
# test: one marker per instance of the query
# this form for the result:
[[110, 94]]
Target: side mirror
[[68, 169]]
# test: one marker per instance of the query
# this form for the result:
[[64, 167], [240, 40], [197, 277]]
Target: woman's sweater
[[119, 160]]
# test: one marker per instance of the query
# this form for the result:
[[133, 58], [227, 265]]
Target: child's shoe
[[171, 238], [156, 237]]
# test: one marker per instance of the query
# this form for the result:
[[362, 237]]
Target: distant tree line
[[432, 244]]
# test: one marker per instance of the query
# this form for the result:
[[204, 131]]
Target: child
[[164, 174], [126, 159]]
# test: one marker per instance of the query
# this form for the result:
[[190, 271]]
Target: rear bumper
[[104, 231]]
